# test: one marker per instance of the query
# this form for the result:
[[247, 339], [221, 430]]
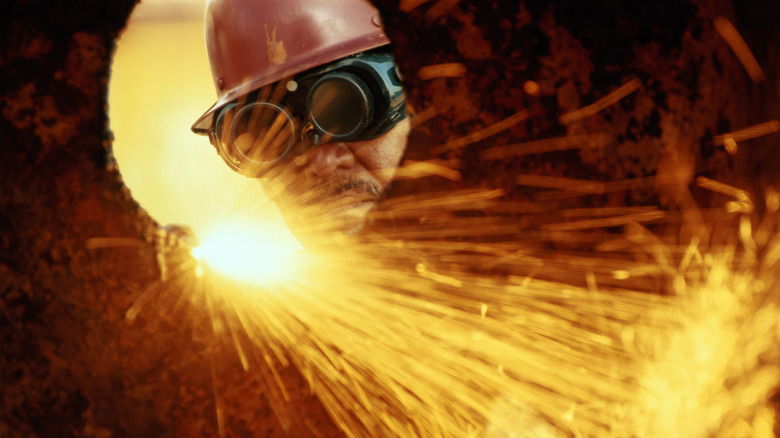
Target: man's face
[[326, 142], [333, 186]]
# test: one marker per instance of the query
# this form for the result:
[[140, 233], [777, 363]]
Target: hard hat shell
[[252, 43]]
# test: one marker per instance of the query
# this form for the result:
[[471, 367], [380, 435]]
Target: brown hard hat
[[252, 43]]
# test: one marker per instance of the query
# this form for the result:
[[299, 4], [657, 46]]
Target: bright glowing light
[[248, 253], [388, 341]]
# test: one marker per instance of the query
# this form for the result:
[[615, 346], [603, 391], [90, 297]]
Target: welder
[[310, 101]]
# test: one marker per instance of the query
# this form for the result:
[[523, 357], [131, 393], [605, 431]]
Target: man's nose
[[326, 159]]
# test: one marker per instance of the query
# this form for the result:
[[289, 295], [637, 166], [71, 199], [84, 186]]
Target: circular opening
[[160, 84]]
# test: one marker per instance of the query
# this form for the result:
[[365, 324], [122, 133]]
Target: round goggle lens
[[340, 105], [261, 133]]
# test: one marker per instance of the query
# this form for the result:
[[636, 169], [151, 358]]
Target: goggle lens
[[334, 103], [260, 134], [340, 105]]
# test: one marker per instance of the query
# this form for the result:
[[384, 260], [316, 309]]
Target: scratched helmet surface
[[252, 43]]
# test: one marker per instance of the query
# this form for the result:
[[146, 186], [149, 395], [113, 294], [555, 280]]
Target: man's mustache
[[342, 185], [361, 184]]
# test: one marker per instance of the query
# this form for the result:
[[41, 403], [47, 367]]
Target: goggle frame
[[372, 76]]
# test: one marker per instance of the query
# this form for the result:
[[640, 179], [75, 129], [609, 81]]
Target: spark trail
[[411, 339]]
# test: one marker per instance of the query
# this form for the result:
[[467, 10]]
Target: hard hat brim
[[204, 123]]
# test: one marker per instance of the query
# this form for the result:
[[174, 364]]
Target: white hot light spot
[[249, 253]]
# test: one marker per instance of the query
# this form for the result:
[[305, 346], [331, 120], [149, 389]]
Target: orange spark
[[417, 169], [554, 182], [606, 101], [440, 8], [602, 187], [531, 88], [730, 145], [454, 199], [581, 141], [732, 37], [114, 242], [450, 70], [484, 133], [422, 116], [409, 5], [580, 185], [742, 202], [754, 131], [719, 187], [613, 221], [605, 211]]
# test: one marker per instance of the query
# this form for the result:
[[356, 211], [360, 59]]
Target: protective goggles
[[353, 99]]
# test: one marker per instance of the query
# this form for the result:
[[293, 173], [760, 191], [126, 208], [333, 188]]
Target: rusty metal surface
[[76, 251]]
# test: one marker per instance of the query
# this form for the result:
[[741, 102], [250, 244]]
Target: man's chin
[[316, 226], [352, 220], [351, 212]]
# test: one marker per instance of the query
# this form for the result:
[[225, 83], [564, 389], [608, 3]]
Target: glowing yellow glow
[[249, 253]]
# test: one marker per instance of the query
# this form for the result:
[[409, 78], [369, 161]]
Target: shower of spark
[[445, 327], [413, 338]]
